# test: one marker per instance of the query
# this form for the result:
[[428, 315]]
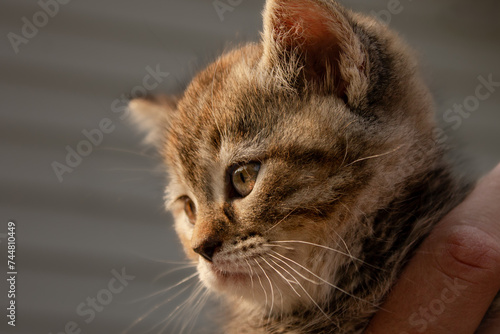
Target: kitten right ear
[[313, 40], [152, 115]]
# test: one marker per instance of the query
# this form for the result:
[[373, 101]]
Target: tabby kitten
[[304, 170]]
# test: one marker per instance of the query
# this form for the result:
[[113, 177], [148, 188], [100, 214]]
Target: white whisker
[[190, 277], [295, 270], [190, 321], [346, 141], [191, 265], [260, 281], [347, 248], [152, 259], [326, 282], [180, 308], [282, 276], [328, 248], [251, 277], [375, 156], [312, 299], [280, 246], [281, 220], [153, 309], [270, 285]]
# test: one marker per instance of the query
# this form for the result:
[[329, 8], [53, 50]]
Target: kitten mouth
[[234, 265], [227, 272], [234, 276]]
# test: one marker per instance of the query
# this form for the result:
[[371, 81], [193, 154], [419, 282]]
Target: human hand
[[450, 283]]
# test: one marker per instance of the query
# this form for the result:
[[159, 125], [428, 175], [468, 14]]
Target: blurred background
[[66, 70]]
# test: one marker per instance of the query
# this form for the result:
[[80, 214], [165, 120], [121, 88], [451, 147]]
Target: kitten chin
[[303, 170]]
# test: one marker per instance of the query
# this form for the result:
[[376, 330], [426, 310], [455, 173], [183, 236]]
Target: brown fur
[[332, 106]]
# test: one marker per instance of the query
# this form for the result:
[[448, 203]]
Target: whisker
[[288, 215], [375, 156], [330, 249], [313, 244], [346, 148], [286, 280], [180, 308], [270, 285], [328, 283], [162, 291], [153, 309], [190, 321], [350, 212], [312, 300], [178, 293], [262, 285], [347, 248], [280, 246], [251, 277], [277, 287], [295, 270], [282, 276], [187, 266], [152, 259], [280, 293], [345, 127]]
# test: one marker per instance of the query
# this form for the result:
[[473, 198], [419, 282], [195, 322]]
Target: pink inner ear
[[315, 32], [304, 24]]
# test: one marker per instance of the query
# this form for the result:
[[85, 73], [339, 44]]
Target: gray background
[[108, 213]]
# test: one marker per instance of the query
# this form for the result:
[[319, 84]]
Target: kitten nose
[[207, 248]]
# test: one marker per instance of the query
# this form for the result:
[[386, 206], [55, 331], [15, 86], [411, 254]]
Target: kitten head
[[277, 150]]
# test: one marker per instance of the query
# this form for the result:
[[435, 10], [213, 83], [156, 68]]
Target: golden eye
[[190, 209], [244, 178]]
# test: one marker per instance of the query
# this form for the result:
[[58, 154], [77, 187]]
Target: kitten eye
[[190, 209], [244, 178]]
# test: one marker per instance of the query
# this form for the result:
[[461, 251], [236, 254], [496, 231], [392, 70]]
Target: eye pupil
[[244, 177], [190, 209]]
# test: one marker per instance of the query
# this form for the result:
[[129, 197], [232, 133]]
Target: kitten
[[305, 170]]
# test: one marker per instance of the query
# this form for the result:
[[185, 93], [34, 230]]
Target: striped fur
[[352, 179]]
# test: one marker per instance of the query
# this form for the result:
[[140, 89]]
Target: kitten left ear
[[152, 115], [315, 38]]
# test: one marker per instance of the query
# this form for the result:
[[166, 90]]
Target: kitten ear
[[152, 114], [313, 37]]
